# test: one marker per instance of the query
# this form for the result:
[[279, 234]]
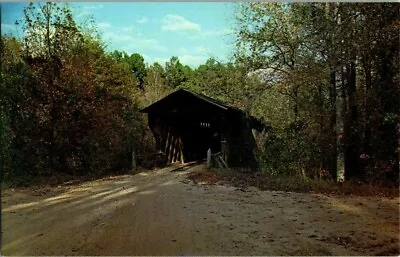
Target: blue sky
[[193, 31]]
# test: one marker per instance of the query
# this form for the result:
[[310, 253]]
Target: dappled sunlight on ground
[[339, 204], [163, 213], [83, 205], [147, 192]]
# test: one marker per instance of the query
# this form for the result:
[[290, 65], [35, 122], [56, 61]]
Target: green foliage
[[133, 63], [49, 29], [274, 108], [176, 73], [74, 107], [289, 152], [137, 67], [5, 144], [325, 67], [225, 82], [155, 86], [311, 71]]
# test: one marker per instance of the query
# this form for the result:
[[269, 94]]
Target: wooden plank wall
[[173, 147]]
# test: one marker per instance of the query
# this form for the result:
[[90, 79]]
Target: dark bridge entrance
[[185, 125]]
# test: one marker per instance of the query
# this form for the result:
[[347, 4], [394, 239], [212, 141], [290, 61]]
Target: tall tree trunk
[[344, 128], [352, 157], [366, 164], [388, 96], [368, 107], [321, 128], [352, 169], [332, 159]]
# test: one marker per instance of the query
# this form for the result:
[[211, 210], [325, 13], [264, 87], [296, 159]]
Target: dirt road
[[161, 213]]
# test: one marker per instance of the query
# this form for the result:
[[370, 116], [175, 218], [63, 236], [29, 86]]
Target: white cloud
[[186, 59], [129, 40], [161, 61], [139, 44], [201, 50], [93, 7], [212, 33], [81, 14], [86, 10], [192, 60], [104, 25], [113, 33], [146, 58], [127, 29], [116, 36], [177, 23], [225, 32], [142, 20], [7, 26], [182, 50]]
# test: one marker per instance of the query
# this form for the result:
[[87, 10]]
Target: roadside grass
[[299, 184]]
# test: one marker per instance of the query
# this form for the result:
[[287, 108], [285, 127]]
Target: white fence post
[[208, 158]]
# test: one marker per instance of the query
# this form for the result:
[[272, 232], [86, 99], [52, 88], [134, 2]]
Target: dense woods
[[336, 65], [323, 75]]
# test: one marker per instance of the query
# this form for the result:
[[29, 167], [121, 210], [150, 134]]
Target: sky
[[193, 31]]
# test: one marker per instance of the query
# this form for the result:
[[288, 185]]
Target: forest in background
[[325, 76]]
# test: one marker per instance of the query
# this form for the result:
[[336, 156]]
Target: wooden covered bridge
[[186, 124]]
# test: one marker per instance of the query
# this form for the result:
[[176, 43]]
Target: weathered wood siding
[[185, 126]]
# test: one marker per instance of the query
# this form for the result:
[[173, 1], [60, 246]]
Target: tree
[[328, 60], [176, 73], [13, 95], [269, 38], [378, 47], [134, 63], [137, 67], [74, 107], [155, 86], [50, 29]]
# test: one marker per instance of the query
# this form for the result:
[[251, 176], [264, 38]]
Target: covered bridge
[[186, 124]]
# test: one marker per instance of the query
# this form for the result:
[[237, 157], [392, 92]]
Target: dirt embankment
[[162, 213]]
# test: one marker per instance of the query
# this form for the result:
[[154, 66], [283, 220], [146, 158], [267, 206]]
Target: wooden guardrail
[[216, 159]]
